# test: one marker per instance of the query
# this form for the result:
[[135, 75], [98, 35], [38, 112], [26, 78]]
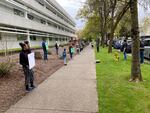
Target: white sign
[[31, 60]]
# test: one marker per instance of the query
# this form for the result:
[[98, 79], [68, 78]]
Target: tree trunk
[[135, 67], [102, 40], [110, 42], [112, 32], [101, 9]]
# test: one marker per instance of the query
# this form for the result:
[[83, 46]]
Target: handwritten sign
[[31, 60]]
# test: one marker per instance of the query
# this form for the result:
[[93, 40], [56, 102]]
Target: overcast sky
[[72, 7], [143, 12]]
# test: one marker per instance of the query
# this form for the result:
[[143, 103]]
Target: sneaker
[[32, 87], [28, 90]]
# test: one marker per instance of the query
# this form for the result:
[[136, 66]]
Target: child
[[65, 56], [45, 49], [116, 56]]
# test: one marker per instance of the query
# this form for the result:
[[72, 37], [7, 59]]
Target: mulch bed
[[12, 86]]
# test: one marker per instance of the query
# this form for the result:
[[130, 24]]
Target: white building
[[33, 20]]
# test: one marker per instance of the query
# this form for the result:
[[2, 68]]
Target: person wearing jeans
[[125, 49], [65, 57], [45, 49], [141, 52], [29, 75]]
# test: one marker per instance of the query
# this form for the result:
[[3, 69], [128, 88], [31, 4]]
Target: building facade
[[34, 20]]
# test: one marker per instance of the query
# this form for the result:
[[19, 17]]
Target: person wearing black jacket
[[125, 49], [57, 48], [141, 52], [23, 58], [44, 46]]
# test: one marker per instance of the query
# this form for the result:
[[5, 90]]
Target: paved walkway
[[72, 89]]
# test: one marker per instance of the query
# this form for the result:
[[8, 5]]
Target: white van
[[147, 48]]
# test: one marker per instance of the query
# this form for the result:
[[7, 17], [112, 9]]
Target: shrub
[[38, 55], [5, 68], [61, 45], [49, 52]]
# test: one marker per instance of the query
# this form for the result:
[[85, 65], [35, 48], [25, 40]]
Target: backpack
[[72, 50]]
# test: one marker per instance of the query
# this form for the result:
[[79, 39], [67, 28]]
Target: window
[[50, 38], [50, 24], [42, 4], [43, 21], [147, 42], [19, 13], [33, 38], [30, 17], [56, 39], [21, 37], [59, 27], [55, 25]]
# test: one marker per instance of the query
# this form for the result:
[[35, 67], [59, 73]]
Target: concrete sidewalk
[[72, 89]]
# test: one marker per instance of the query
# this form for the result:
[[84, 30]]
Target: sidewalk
[[72, 89]]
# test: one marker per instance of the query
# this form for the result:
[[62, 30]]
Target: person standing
[[28, 45], [45, 49], [141, 52], [23, 59], [97, 44], [77, 48], [92, 44], [70, 51], [125, 49], [65, 56], [57, 47]]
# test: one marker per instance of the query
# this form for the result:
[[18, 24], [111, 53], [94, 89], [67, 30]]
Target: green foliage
[[116, 94], [145, 25], [5, 68], [89, 12], [92, 28], [124, 26]]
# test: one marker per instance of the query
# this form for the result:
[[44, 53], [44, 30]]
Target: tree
[[89, 13], [135, 68], [124, 27], [145, 25], [118, 10]]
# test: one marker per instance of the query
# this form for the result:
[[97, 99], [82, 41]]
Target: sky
[[72, 7], [142, 12]]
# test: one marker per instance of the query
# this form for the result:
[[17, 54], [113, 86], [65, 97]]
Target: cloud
[[72, 7]]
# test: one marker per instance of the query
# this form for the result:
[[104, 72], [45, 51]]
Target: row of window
[[34, 38], [147, 43], [42, 21], [54, 12]]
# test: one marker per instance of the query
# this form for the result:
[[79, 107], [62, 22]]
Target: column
[[28, 36]]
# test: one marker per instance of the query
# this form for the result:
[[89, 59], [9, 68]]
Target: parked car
[[147, 48], [118, 44]]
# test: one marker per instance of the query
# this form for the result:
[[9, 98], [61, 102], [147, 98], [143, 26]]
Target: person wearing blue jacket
[[45, 49], [65, 56]]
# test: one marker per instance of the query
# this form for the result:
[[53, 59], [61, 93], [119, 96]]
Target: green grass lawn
[[116, 94]]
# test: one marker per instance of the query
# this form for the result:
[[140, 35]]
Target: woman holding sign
[[29, 78]]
